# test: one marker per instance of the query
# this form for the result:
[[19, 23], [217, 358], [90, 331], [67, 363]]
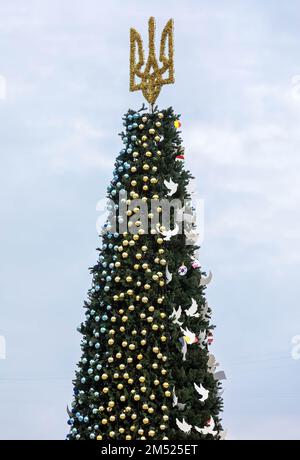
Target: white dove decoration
[[168, 235], [202, 338], [176, 314], [169, 275], [183, 426], [188, 336], [183, 349], [202, 392], [192, 311], [171, 186], [205, 280], [209, 429], [192, 237], [175, 401]]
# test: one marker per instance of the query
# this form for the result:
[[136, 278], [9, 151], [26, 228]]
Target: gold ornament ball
[[132, 169], [123, 398], [122, 416], [121, 430], [143, 389], [145, 299], [99, 437], [104, 421], [111, 404], [167, 393], [141, 126], [160, 115], [131, 346], [144, 138], [165, 385], [153, 180], [151, 433], [163, 338], [131, 307], [128, 437], [136, 266], [138, 256], [104, 376], [149, 319], [145, 188], [119, 355], [143, 342], [118, 264], [139, 366], [105, 390], [144, 119], [155, 350], [147, 287], [133, 183], [148, 154], [140, 357], [145, 421], [120, 386], [152, 397], [157, 138], [140, 431], [135, 154], [151, 308], [136, 397], [130, 381], [124, 344], [112, 418], [150, 410], [154, 327], [156, 382], [124, 318], [159, 355], [124, 255], [101, 409]]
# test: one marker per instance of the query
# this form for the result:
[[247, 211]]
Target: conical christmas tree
[[146, 371]]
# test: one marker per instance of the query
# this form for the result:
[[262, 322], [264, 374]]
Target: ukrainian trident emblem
[[151, 75]]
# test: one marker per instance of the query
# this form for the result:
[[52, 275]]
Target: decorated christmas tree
[[146, 371]]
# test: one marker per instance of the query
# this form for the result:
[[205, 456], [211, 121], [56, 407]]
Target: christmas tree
[[146, 371]]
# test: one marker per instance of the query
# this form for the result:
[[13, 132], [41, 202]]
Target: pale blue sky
[[66, 67]]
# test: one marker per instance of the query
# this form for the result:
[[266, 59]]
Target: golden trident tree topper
[[152, 77]]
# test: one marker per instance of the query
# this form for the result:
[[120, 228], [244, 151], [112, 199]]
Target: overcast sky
[[65, 65]]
